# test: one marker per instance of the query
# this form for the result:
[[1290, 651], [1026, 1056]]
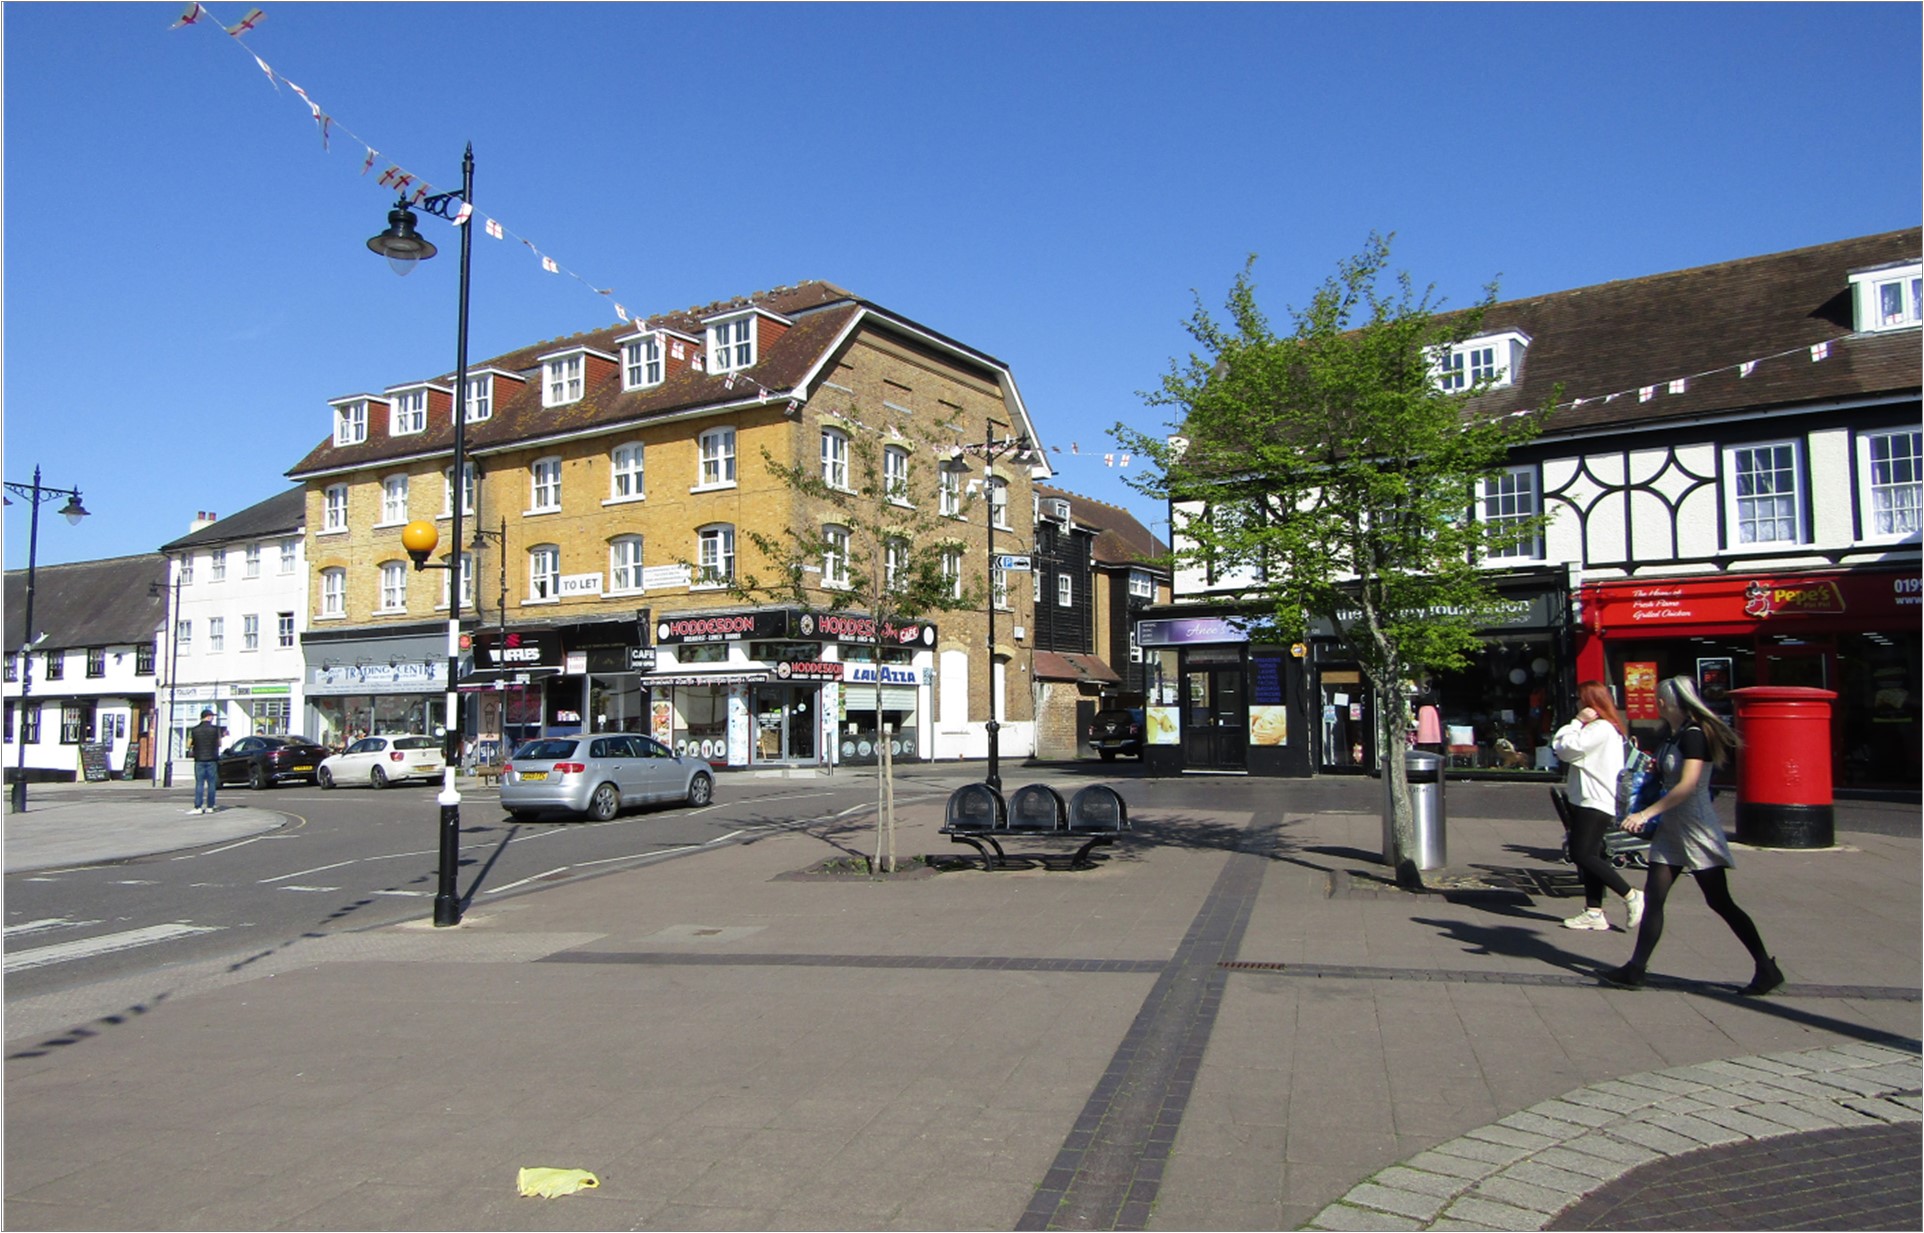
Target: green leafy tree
[[868, 535], [1328, 470]]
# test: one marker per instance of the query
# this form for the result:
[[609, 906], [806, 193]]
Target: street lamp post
[[991, 449], [73, 511], [403, 250]]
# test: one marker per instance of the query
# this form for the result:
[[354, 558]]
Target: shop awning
[[1068, 666], [658, 680]]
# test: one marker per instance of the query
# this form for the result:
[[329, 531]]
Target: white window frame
[[627, 471], [1508, 496], [216, 635], [480, 398], [217, 565], [835, 557], [999, 502], [999, 587], [835, 458], [334, 510], [187, 570], [1065, 591], [641, 362], [544, 574], [470, 493], [1875, 289], [1488, 360], [251, 632], [290, 552], [251, 561], [467, 583], [895, 473], [731, 343], [334, 592], [716, 459], [563, 378], [714, 555], [1735, 501], [1886, 480], [350, 422], [952, 570], [394, 500], [625, 565], [1142, 585], [284, 630], [394, 586], [949, 492], [544, 485], [184, 635], [895, 562], [407, 412]]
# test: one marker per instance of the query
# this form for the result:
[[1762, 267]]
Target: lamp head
[[400, 244], [419, 538], [73, 511]]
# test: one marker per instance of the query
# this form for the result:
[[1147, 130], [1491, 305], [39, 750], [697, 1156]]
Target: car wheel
[[522, 815], [378, 777], [1108, 755], [257, 778], [605, 803], [701, 790], [324, 777]]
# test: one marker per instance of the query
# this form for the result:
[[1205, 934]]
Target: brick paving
[[1848, 1178]]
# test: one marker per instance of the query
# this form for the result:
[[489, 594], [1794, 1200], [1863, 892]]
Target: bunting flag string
[[404, 183], [1818, 352]]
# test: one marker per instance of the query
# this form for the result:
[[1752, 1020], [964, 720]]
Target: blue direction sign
[[1009, 563]]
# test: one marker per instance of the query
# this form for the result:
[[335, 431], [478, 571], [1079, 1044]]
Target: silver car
[[599, 775]]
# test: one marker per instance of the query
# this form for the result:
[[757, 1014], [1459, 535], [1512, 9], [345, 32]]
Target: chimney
[[202, 520]]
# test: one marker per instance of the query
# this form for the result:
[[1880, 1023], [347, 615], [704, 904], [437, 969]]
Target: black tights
[[1716, 889], [1586, 849]]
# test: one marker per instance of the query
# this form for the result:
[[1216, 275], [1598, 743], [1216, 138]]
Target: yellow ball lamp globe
[[419, 538]]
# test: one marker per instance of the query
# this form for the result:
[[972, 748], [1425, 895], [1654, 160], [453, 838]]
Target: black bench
[[979, 817]]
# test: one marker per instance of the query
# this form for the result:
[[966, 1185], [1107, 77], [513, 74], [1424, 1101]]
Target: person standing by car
[[1591, 745], [1691, 839], [203, 741]]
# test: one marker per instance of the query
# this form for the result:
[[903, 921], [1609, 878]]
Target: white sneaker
[[1589, 918], [1633, 910]]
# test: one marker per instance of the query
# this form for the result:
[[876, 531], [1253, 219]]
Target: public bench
[[980, 817], [489, 774]]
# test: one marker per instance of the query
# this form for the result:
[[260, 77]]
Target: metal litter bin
[[1425, 772]]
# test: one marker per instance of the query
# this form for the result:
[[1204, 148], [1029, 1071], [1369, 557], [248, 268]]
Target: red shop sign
[[1753, 599]]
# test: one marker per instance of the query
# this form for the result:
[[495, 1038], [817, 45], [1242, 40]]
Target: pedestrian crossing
[[88, 947]]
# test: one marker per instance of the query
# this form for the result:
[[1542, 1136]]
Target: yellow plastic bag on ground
[[553, 1183]]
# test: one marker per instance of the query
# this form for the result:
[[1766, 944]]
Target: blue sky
[[187, 283]]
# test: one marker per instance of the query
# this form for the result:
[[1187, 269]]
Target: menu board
[[93, 760], [1640, 691]]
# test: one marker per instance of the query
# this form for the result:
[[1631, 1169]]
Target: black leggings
[[1586, 849], [1716, 889]]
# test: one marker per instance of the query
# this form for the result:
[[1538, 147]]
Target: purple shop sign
[[1188, 631]]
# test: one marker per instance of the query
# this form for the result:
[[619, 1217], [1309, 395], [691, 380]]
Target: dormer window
[[350, 421], [1490, 361], [480, 398], [1889, 297], [561, 380], [641, 362], [408, 412], [731, 344]]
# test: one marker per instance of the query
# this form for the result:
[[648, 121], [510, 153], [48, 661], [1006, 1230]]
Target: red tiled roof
[[1068, 666], [1121, 539]]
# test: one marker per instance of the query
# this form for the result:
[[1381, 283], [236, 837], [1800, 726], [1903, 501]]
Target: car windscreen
[[416, 742], [538, 750]]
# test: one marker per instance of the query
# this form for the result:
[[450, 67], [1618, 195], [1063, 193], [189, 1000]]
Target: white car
[[382, 760]]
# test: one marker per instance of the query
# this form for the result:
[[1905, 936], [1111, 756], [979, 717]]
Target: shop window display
[[1497, 714]]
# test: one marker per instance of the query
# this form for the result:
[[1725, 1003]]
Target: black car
[[263, 761], [1117, 732]]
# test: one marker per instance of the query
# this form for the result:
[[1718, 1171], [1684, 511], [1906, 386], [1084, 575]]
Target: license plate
[[308, 767], [530, 776]]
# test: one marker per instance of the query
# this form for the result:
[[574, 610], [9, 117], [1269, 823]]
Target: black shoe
[[1625, 977], [1769, 976]]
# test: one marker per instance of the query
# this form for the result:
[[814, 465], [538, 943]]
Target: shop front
[[504, 697], [1852, 631], [882, 701], [1220, 702], [361, 685]]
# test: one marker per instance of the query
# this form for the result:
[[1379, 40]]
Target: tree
[[1330, 469], [869, 535]]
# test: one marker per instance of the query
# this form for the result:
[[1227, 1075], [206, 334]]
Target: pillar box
[[1783, 772]]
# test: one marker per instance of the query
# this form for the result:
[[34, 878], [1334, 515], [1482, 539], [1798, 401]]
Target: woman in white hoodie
[[1591, 745]]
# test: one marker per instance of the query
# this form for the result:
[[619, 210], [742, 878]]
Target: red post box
[[1783, 771]]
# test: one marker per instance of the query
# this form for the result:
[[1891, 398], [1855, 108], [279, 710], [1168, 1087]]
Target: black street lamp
[[403, 249], [73, 511], [989, 451]]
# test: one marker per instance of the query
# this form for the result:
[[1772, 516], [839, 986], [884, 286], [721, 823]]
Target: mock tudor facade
[[1734, 480], [615, 477]]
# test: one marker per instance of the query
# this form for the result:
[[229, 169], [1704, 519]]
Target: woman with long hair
[[1591, 745], [1690, 838]]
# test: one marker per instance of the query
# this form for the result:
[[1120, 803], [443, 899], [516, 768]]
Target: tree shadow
[[1512, 941]]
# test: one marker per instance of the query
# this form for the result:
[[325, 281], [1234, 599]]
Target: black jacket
[[204, 739]]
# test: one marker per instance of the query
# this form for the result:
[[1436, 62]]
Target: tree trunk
[[1390, 728]]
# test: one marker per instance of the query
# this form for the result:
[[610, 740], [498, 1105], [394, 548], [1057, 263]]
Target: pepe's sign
[[1763, 599]]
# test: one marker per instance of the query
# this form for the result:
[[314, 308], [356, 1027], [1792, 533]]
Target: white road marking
[[725, 838], [523, 882], [304, 872], [106, 944], [308, 888], [51, 922], [409, 893]]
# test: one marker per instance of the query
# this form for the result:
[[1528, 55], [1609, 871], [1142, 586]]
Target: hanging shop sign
[[518, 649], [858, 627]]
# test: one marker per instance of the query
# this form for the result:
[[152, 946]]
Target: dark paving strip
[[1856, 1177], [942, 963], [1110, 1167], [1865, 993]]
